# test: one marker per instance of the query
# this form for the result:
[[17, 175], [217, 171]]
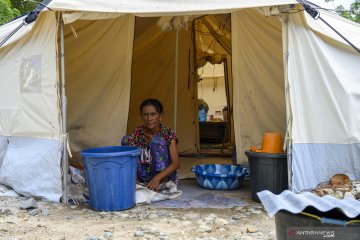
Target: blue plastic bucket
[[111, 176]]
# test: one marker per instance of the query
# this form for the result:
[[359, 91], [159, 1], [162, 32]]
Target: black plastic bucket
[[287, 222], [268, 171]]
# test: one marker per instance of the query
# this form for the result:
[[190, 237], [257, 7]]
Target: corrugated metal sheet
[[296, 203]]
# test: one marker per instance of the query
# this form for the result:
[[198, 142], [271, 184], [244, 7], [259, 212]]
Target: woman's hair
[[152, 102]]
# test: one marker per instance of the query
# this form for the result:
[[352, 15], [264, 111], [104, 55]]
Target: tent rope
[[11, 34], [316, 15], [31, 17]]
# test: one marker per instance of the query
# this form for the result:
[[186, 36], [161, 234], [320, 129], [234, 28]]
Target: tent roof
[[102, 9], [162, 7]]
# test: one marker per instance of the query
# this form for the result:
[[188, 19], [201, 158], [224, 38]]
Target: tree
[[7, 11], [25, 6], [353, 13]]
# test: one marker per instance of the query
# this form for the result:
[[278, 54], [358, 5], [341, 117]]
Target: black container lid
[[250, 153]]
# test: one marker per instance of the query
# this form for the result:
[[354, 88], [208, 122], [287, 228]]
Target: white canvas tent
[[290, 73]]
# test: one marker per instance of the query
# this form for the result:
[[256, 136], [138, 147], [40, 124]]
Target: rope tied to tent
[[316, 15], [31, 17], [11, 34]]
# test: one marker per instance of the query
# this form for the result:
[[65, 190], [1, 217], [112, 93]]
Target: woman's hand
[[174, 165], [154, 183]]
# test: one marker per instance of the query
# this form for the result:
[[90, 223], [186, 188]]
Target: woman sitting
[[159, 158]]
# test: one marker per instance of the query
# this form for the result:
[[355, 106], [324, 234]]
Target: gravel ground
[[21, 218]]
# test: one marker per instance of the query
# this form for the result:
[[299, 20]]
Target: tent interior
[[96, 112]]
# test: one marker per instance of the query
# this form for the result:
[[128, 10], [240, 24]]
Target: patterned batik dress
[[155, 156]]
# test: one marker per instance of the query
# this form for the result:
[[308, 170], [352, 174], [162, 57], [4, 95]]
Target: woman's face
[[150, 116]]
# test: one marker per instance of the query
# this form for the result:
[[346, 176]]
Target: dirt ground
[[60, 222]]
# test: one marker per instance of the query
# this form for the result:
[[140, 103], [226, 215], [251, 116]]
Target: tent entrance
[[214, 84], [214, 132]]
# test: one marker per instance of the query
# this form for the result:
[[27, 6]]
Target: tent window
[[30, 74]]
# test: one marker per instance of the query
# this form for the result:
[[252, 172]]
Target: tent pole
[[176, 77], [65, 163], [196, 88], [287, 140]]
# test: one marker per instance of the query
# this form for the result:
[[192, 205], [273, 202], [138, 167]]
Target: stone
[[138, 233], [174, 221], [232, 221], [153, 216], [108, 235], [163, 213], [34, 212], [154, 231], [221, 221], [45, 211], [20, 215], [242, 229], [192, 216], [143, 229], [5, 212], [237, 217], [186, 223], [211, 217], [200, 222], [30, 203], [251, 229], [204, 228], [256, 212], [92, 238]]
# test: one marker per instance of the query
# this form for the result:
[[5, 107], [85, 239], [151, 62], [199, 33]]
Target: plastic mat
[[196, 197]]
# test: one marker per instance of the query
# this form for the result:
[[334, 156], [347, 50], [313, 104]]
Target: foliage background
[[353, 13], [10, 9]]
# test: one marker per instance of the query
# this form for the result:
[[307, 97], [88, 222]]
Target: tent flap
[[31, 166], [98, 76], [258, 78], [324, 94]]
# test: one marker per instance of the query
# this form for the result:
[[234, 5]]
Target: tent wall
[[258, 78], [97, 64], [153, 76], [30, 138], [28, 92], [325, 103]]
